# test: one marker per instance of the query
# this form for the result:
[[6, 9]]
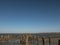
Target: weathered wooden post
[[49, 40], [43, 40], [37, 40], [27, 40]]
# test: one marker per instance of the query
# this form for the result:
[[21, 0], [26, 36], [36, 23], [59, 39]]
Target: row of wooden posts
[[27, 39], [43, 40]]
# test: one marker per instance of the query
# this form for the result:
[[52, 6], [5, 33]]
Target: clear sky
[[19, 16]]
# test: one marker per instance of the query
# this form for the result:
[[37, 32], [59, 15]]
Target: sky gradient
[[20, 16]]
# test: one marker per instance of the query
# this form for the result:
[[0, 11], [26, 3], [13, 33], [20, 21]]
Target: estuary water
[[9, 43], [15, 43]]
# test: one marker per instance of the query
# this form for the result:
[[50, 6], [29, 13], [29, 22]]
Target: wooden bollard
[[27, 43], [43, 40], [49, 40]]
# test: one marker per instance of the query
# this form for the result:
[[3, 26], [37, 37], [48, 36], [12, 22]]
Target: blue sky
[[20, 16]]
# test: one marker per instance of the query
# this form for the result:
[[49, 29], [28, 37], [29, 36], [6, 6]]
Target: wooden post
[[27, 40], [43, 40], [49, 40], [37, 40]]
